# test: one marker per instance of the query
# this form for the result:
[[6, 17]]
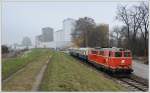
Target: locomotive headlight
[[123, 61], [106, 59]]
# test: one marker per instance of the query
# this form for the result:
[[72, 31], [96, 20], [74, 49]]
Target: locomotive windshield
[[127, 54], [118, 54]]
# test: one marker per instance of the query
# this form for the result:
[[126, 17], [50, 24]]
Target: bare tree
[[116, 35], [88, 34], [135, 18], [144, 15], [124, 16], [82, 28], [103, 36]]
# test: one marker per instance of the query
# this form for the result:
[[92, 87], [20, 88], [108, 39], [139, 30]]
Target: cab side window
[[110, 54], [101, 53], [94, 52]]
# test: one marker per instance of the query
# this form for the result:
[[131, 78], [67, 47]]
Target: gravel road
[[140, 69]]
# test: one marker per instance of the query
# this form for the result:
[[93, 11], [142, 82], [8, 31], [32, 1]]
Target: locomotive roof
[[113, 49], [86, 48]]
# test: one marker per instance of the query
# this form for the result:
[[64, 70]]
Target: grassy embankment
[[64, 73], [25, 79], [12, 65]]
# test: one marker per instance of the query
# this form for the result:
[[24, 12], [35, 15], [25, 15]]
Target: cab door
[[92, 55], [110, 62]]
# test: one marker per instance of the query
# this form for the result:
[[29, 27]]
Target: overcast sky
[[21, 19]]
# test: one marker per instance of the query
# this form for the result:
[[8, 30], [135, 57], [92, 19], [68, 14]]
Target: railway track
[[132, 84]]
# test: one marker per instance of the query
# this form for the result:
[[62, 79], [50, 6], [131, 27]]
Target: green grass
[[12, 65], [25, 79], [64, 73]]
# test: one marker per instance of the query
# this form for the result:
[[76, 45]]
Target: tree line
[[26, 41], [132, 35], [88, 34]]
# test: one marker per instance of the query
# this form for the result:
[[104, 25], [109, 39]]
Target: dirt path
[[39, 77], [28, 77]]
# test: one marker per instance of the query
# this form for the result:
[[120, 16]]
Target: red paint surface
[[109, 60]]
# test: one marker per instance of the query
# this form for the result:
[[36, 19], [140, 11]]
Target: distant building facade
[[63, 37], [56, 39], [68, 27], [45, 39], [47, 34], [59, 38], [59, 35]]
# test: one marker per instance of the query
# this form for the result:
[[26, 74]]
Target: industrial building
[[56, 39], [45, 39]]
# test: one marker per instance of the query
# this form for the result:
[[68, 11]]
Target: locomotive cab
[[120, 61], [112, 59]]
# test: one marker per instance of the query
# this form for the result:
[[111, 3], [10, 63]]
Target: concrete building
[[59, 38], [56, 39], [63, 37], [45, 40], [68, 27], [59, 35], [47, 34]]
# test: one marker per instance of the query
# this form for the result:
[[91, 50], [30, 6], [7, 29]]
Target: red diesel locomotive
[[111, 59]]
